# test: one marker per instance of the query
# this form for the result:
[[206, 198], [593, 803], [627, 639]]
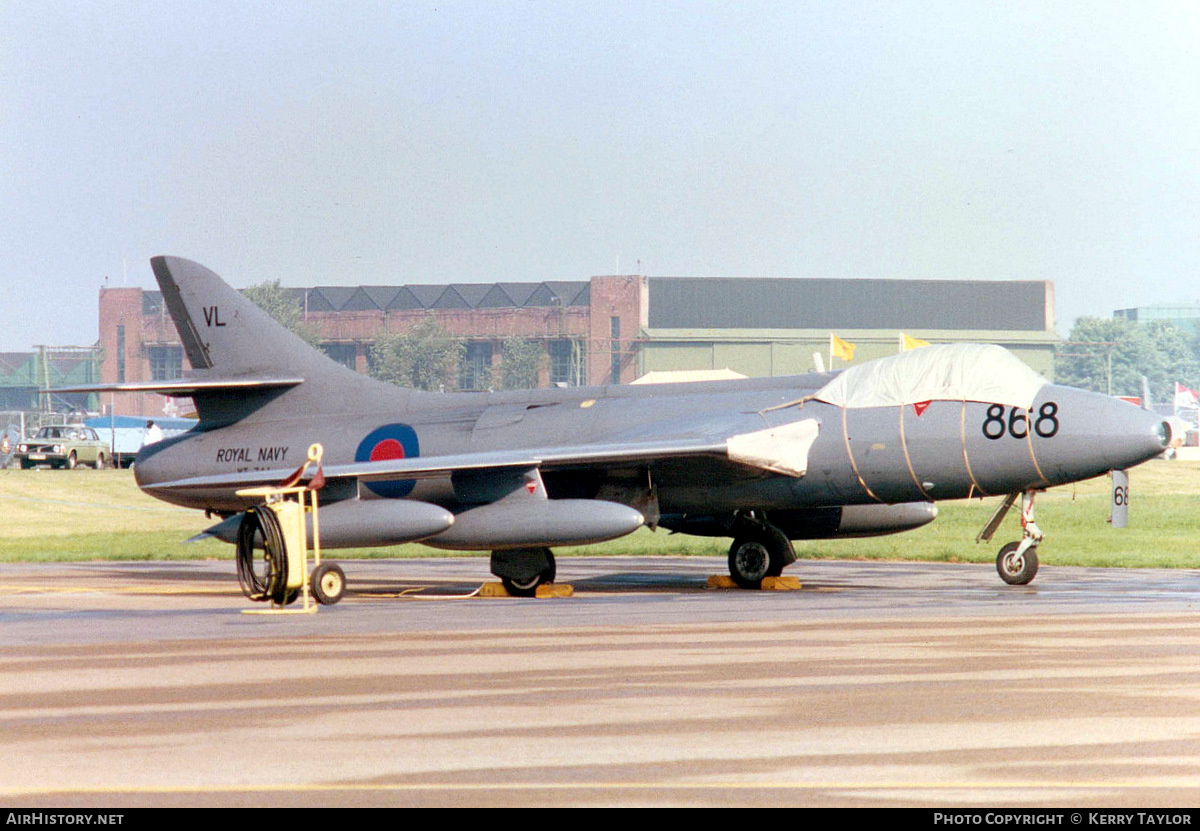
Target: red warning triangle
[[920, 406]]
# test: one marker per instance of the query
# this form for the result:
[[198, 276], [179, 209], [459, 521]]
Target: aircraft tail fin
[[241, 358], [222, 331]]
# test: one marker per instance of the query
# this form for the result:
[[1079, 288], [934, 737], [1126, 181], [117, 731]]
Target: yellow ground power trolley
[[273, 546]]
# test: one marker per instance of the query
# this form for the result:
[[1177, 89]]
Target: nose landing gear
[[1017, 562]]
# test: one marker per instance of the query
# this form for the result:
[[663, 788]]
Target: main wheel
[[72, 461], [328, 583], [1014, 570], [528, 587], [749, 562], [99, 462]]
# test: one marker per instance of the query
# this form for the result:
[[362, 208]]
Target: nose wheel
[[1017, 562], [1017, 567]]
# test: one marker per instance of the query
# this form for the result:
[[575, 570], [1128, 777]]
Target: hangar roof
[[413, 296]]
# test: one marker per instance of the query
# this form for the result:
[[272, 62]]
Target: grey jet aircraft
[[764, 461]]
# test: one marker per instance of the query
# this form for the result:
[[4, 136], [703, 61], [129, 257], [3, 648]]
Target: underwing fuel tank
[[362, 523], [876, 520], [517, 523]]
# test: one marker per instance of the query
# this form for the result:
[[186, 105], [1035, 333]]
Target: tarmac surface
[[885, 684]]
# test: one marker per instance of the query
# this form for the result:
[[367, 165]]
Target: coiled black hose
[[261, 525]]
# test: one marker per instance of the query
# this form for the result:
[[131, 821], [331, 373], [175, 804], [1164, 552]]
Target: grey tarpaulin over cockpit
[[946, 372]]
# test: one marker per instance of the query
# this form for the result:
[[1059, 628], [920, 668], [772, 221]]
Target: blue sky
[[345, 143]]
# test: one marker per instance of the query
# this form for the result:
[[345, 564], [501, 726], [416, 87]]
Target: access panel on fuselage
[[933, 434], [878, 454]]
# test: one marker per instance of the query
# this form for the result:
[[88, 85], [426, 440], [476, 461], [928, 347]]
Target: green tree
[[425, 357], [282, 305], [1125, 350], [520, 361], [1179, 357]]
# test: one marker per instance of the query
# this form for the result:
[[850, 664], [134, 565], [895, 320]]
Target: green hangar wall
[[773, 326]]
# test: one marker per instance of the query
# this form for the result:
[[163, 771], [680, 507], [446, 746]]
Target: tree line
[[1112, 355], [427, 357]]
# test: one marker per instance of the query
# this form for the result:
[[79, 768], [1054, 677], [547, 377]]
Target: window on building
[[120, 354], [566, 362], [475, 368], [18, 398], [345, 354], [166, 363], [615, 346]]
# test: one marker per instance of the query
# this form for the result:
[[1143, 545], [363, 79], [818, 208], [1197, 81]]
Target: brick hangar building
[[614, 329]]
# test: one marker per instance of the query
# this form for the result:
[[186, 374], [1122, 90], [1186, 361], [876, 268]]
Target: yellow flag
[[840, 348], [907, 343]]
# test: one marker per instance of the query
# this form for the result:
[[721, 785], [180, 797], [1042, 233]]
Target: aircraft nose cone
[[1079, 434], [1133, 435]]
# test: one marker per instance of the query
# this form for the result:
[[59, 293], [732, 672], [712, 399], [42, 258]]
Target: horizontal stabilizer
[[189, 386]]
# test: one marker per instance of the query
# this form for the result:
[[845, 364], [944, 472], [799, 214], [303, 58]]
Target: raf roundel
[[391, 441]]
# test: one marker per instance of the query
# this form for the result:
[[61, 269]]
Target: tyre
[[1014, 571], [749, 563], [328, 583], [528, 587]]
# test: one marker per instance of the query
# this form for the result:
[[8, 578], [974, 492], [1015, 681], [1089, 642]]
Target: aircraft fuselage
[[898, 454]]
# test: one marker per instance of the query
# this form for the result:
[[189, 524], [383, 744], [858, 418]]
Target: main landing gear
[[1017, 562], [522, 570], [759, 550]]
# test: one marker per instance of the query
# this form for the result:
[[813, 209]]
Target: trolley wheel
[[328, 583]]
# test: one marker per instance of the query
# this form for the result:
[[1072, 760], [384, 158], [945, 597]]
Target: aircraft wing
[[782, 449]]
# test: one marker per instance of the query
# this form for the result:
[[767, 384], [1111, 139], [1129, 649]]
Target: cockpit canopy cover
[[950, 372]]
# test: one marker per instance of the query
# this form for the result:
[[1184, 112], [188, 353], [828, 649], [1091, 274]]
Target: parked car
[[63, 446]]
